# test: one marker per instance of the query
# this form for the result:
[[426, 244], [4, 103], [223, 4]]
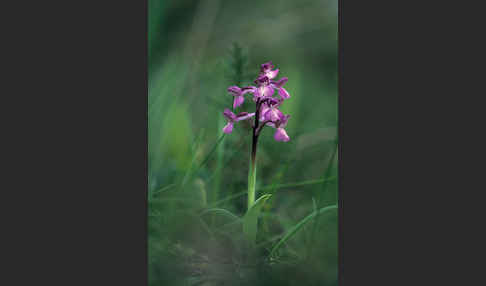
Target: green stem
[[252, 171], [252, 181]]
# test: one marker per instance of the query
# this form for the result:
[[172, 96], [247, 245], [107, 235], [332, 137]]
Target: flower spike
[[267, 106]]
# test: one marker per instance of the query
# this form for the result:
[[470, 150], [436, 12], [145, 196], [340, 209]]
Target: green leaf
[[250, 219], [299, 226], [222, 212]]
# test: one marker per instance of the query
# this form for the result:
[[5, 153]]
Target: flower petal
[[269, 91], [271, 124], [283, 120], [283, 93], [279, 83], [248, 89], [273, 114], [260, 92], [234, 90], [265, 91], [238, 100], [263, 109], [271, 74], [230, 116], [244, 116], [281, 135], [228, 128]]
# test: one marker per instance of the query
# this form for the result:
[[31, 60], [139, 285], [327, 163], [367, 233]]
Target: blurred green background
[[196, 50]]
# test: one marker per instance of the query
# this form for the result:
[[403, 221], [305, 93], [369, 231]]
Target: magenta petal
[[260, 92], [263, 110], [234, 90], [283, 120], [230, 116], [244, 116], [271, 124], [281, 135], [268, 91], [248, 89], [273, 114], [283, 93], [228, 128], [271, 74], [238, 101]]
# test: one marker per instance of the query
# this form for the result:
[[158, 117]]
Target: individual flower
[[232, 118], [266, 70], [239, 93], [279, 86], [263, 89], [268, 104], [270, 110], [272, 114], [280, 133]]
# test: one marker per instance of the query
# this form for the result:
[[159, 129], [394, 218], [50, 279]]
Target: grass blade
[[298, 226], [211, 152], [221, 211], [163, 189]]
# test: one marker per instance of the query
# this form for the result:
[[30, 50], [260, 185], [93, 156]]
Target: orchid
[[266, 105], [239, 93], [263, 89], [266, 70], [267, 113], [280, 133]]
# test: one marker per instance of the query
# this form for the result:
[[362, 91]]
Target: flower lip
[[281, 135], [228, 128], [273, 115]]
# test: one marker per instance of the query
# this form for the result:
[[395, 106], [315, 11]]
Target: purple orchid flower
[[279, 86], [267, 111], [266, 70], [280, 133], [232, 118], [239, 93], [263, 89]]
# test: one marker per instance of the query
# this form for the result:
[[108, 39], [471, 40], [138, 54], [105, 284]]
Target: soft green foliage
[[198, 177]]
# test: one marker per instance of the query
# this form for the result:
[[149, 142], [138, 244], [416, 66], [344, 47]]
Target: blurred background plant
[[198, 177]]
